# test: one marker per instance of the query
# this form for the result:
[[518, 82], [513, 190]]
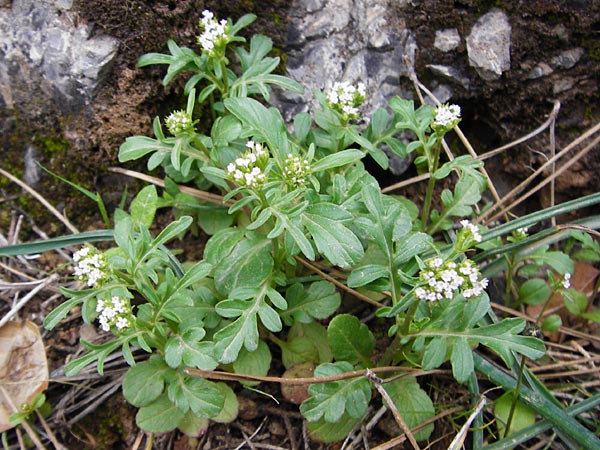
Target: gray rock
[[568, 58], [450, 73], [562, 84], [488, 45], [442, 93], [43, 50], [447, 40], [540, 70], [346, 40]]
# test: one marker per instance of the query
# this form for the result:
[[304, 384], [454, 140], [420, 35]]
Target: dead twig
[[377, 382], [41, 199]]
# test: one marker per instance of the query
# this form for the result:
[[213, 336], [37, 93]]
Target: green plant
[[289, 198]]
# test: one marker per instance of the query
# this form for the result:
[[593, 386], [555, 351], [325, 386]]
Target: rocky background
[[70, 92]]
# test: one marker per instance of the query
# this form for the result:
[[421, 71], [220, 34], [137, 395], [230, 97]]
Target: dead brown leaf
[[23, 368]]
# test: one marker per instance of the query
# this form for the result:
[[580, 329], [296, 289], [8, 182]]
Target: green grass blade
[[545, 214], [525, 434], [556, 416], [55, 243]]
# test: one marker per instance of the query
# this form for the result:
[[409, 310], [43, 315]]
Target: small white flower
[[91, 266], [446, 279], [115, 312], [567, 281], [178, 121], [446, 115], [345, 98], [214, 34], [474, 231]]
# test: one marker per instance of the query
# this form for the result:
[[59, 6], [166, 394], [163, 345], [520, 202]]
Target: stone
[[568, 58], [450, 73], [488, 45], [346, 40], [447, 40], [540, 70], [43, 50]]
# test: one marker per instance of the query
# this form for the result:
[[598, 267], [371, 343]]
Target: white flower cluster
[[446, 116], [445, 279], [296, 170], [214, 32], [177, 122], [91, 267], [345, 98], [248, 170], [567, 281], [113, 313], [472, 230]]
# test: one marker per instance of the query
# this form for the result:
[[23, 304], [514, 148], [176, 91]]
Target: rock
[[450, 73], [568, 58], [488, 45], [41, 48], [447, 40], [346, 40], [540, 70], [562, 84]]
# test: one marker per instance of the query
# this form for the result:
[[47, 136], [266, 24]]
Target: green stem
[[513, 405], [433, 161], [509, 279], [557, 416], [408, 318], [225, 78]]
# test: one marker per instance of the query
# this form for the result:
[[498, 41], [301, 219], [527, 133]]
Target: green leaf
[[461, 359], [503, 337], [333, 239], [575, 301], [224, 130], [415, 244], [534, 292], [413, 404], [135, 147], [366, 274], [247, 266], [559, 261], [257, 362], [318, 302], [144, 205], [551, 323], [230, 405], [377, 154], [203, 397], [338, 159], [192, 425], [330, 400], [436, 354], [350, 340], [145, 382], [302, 125], [522, 416], [221, 244], [298, 350], [266, 122], [242, 332], [159, 416], [188, 349], [328, 432], [317, 334]]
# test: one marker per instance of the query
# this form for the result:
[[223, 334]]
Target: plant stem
[[513, 405], [509, 279], [225, 78], [433, 160]]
